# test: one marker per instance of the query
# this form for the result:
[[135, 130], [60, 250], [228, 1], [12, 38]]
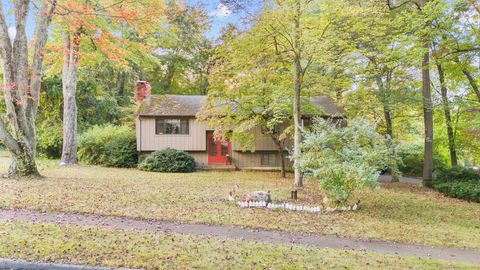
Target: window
[[269, 159], [171, 126]]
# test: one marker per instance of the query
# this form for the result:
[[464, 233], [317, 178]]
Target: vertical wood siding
[[147, 140]]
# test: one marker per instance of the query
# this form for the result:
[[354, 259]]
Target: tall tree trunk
[[386, 108], [297, 137], [69, 81], [388, 121], [169, 76], [22, 83], [281, 150], [448, 120], [339, 96], [427, 117], [472, 82], [121, 83]]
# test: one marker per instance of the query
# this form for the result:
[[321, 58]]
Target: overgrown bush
[[412, 160], [92, 145], [168, 160], [458, 182], [344, 159], [121, 152], [50, 139]]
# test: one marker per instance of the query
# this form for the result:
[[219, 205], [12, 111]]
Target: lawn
[[118, 248], [396, 212]]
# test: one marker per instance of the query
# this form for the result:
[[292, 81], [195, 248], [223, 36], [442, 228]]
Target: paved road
[[238, 233], [403, 179], [25, 265]]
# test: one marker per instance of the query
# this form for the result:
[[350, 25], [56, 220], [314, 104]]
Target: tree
[[99, 23], [247, 92], [448, 118], [298, 46], [183, 51], [22, 81], [421, 13]]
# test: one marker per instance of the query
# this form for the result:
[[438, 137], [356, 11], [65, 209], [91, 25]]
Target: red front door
[[218, 150]]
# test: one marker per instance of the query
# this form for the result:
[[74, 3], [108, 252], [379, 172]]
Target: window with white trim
[[171, 126]]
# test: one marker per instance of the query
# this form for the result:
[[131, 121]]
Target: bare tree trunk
[[472, 82], [121, 83], [69, 81], [448, 120], [386, 108], [388, 121], [297, 137], [339, 96], [428, 118], [22, 84], [282, 164], [169, 76], [281, 150]]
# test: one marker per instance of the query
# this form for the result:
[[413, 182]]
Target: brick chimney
[[143, 90]]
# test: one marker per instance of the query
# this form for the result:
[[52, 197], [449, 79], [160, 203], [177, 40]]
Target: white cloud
[[12, 32], [221, 11]]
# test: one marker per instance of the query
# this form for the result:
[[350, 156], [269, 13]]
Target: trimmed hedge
[[458, 182], [168, 160], [101, 145]]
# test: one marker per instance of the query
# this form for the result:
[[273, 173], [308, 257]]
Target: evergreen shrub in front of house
[[99, 145], [122, 152], [168, 160], [345, 159], [458, 182]]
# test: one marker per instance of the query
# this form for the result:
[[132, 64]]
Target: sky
[[220, 16]]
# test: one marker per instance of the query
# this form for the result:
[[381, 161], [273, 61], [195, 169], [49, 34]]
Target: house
[[168, 121]]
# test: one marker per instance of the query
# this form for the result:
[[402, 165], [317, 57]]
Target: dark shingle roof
[[328, 106], [171, 105], [177, 105]]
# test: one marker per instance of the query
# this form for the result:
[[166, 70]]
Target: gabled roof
[[328, 106], [171, 105], [178, 105]]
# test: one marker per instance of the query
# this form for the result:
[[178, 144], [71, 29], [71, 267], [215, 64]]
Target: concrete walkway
[[25, 265], [244, 234]]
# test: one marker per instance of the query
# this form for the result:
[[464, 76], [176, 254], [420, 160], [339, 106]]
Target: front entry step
[[220, 168]]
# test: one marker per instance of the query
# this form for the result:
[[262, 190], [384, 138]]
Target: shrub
[[456, 174], [467, 190], [168, 160], [458, 182], [121, 152], [92, 144], [344, 159], [50, 139], [412, 160]]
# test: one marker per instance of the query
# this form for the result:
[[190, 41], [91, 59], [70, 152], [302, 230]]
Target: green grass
[[118, 248], [396, 212]]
